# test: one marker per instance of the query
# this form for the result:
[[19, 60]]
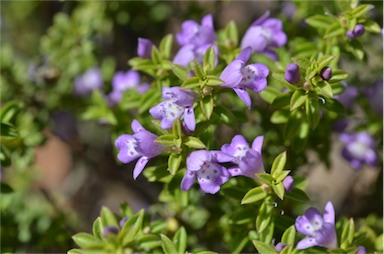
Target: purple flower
[[320, 229], [122, 221], [280, 246], [264, 34], [123, 81], [189, 53], [288, 183], [359, 149], [348, 97], [326, 73], [144, 48], [374, 94], [248, 159], [108, 230], [205, 166], [89, 81], [239, 76], [178, 102], [140, 145], [357, 31], [292, 74], [361, 250], [197, 35]]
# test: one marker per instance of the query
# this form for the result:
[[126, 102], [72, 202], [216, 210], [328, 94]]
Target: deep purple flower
[[123, 81], [359, 149], [197, 35], [248, 159], [357, 31], [89, 81], [320, 229], [178, 102], [122, 221], [108, 230], [292, 74], [374, 94], [288, 183], [265, 33], [238, 76], [361, 250], [205, 166], [189, 53], [348, 97], [140, 145], [144, 48], [326, 73]]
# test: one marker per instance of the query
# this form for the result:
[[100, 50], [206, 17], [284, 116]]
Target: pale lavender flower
[[320, 229], [122, 81], [359, 149], [189, 53], [239, 76], [248, 159], [292, 74], [357, 31], [140, 145], [205, 166], [89, 81], [374, 94], [144, 48], [288, 183], [178, 102], [263, 35], [197, 35], [361, 250]]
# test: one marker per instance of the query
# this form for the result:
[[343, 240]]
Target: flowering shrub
[[238, 110]]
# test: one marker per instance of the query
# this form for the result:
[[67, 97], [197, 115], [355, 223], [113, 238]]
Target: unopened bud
[[108, 230], [288, 183], [326, 73], [292, 74], [122, 221], [265, 188], [359, 30]]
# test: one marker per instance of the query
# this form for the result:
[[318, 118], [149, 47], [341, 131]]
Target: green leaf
[[191, 83], [320, 21], [279, 190], [289, 235], [297, 195], [180, 71], [149, 241], [74, 251], [280, 116], [207, 105], [312, 110], [371, 26], [85, 240], [166, 139], [5, 188], [263, 247], [180, 240], [267, 235], [231, 32], [270, 93], [156, 57], [131, 228], [357, 49], [347, 234], [7, 130], [97, 228], [5, 160], [337, 76], [325, 89], [108, 218], [282, 100], [176, 129], [166, 46], [334, 30], [265, 178], [264, 217], [167, 245], [283, 174], [174, 162], [194, 142], [209, 59], [279, 164], [324, 61], [9, 111], [333, 105], [213, 81], [298, 98], [253, 195], [361, 10], [198, 70]]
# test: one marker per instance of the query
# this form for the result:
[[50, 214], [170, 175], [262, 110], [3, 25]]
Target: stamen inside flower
[[172, 110], [131, 147], [241, 151], [249, 73], [208, 172]]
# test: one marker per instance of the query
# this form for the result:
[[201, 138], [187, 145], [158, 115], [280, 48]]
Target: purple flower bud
[[288, 183], [326, 73], [108, 230], [280, 246], [89, 81], [359, 30], [361, 250], [292, 74], [144, 48], [122, 221]]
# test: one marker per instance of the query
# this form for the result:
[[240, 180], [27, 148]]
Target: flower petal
[[244, 55], [136, 126], [254, 38], [251, 164], [237, 142], [184, 56], [244, 96], [197, 158], [189, 118], [232, 75], [258, 143], [126, 145], [219, 156], [235, 171], [306, 243], [326, 236], [308, 223], [188, 180], [140, 164], [329, 213]]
